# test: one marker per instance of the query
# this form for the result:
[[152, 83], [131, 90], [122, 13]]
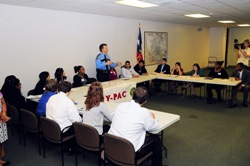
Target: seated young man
[[131, 121], [62, 109], [128, 71], [240, 74], [141, 70], [163, 68]]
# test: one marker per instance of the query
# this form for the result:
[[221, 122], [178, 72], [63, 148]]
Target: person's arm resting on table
[[151, 124]]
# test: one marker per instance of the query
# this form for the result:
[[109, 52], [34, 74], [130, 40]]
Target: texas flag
[[139, 55]]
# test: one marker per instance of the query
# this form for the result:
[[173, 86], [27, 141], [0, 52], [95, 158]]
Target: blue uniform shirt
[[41, 108], [101, 64]]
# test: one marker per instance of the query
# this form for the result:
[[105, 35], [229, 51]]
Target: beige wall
[[236, 33], [33, 40], [217, 42]]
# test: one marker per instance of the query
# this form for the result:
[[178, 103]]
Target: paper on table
[[173, 76], [34, 97]]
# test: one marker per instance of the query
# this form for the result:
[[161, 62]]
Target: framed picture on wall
[[155, 47]]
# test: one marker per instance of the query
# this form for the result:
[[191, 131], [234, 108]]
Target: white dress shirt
[[62, 110], [131, 121], [94, 116], [240, 74], [128, 73], [242, 58]]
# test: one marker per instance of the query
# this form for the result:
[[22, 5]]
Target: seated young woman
[[196, 72], [81, 78], [50, 90], [95, 110], [11, 91], [177, 70], [128, 71], [60, 75], [40, 86]]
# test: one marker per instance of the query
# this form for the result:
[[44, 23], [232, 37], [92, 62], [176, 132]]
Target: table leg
[[164, 148]]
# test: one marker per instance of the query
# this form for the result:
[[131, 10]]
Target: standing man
[[244, 53], [240, 74], [104, 63]]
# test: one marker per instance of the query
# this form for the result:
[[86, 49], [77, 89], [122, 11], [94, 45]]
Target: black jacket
[[140, 70], [39, 89], [166, 69], [82, 80], [222, 74], [78, 80], [245, 78]]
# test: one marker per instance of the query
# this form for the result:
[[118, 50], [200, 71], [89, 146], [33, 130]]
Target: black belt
[[102, 71]]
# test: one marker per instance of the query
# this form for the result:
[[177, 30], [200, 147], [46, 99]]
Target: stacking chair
[[30, 124], [88, 139], [15, 120], [121, 152], [53, 134]]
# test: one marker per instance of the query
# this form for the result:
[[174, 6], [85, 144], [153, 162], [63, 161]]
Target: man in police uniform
[[104, 63]]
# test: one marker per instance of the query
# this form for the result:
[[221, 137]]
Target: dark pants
[[70, 144], [155, 146], [106, 128], [145, 84], [69, 132], [217, 88], [91, 80], [157, 84], [102, 75], [244, 89]]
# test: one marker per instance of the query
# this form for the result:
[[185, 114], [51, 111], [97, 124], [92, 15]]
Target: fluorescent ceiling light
[[135, 3], [226, 21], [197, 15], [244, 25]]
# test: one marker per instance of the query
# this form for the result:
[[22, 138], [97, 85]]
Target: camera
[[237, 44]]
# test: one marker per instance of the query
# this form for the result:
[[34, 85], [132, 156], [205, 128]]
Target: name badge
[[219, 74]]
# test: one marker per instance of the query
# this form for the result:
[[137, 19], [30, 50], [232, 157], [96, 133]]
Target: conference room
[[183, 62]]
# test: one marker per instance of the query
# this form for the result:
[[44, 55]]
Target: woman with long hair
[[95, 110], [60, 75], [196, 72], [40, 86]]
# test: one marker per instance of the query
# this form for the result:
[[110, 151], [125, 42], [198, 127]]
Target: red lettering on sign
[[124, 94], [115, 96], [119, 96], [108, 97]]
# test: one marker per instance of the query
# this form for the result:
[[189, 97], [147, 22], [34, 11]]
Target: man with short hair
[[162, 68], [141, 70], [240, 74], [62, 109], [104, 63], [131, 121]]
